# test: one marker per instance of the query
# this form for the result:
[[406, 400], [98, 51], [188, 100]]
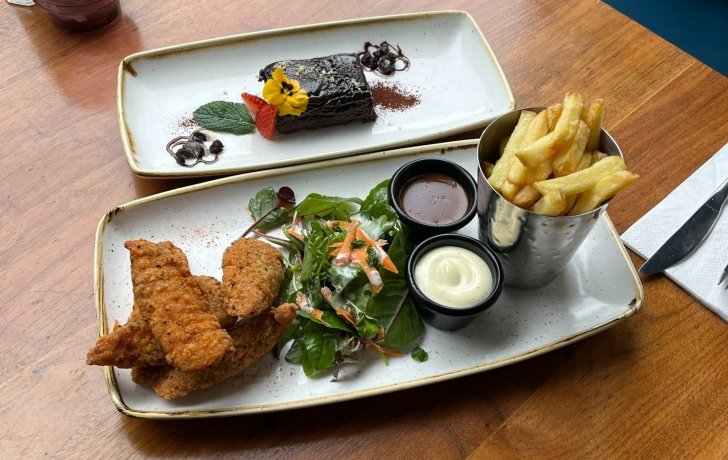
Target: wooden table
[[654, 386]]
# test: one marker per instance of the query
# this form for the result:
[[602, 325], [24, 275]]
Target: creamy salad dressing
[[453, 277]]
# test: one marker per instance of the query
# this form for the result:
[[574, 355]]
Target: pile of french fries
[[550, 163]]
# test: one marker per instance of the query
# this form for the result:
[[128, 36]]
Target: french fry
[[583, 180], [488, 169], [594, 120], [518, 174], [570, 200], [566, 161], [550, 164], [509, 190], [596, 156], [537, 128], [551, 204], [553, 112], [537, 152], [540, 172], [526, 197], [568, 122], [503, 165], [587, 159], [564, 131], [603, 190], [502, 145]]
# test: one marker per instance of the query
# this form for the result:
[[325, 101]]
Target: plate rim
[[126, 67], [102, 323]]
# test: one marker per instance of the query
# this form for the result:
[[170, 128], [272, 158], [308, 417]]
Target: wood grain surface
[[654, 386]]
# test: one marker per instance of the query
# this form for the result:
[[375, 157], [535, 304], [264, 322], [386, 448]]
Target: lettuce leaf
[[329, 319], [328, 341], [327, 207], [319, 348], [393, 306]]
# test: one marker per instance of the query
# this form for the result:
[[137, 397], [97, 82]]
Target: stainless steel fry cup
[[532, 248]]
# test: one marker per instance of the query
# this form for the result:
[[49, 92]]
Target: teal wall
[[698, 27]]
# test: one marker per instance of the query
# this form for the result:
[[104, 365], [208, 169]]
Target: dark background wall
[[698, 27]]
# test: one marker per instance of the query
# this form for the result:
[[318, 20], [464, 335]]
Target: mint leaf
[[230, 117], [419, 355]]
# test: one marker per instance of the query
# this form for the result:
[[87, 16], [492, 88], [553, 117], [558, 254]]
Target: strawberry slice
[[254, 103], [265, 121]]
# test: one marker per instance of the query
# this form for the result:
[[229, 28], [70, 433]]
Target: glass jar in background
[[81, 15]]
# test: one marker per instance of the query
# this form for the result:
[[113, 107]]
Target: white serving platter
[[599, 288], [453, 72]]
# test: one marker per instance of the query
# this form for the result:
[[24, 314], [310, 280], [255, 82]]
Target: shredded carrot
[[345, 315], [295, 231], [326, 294], [382, 349], [341, 223], [359, 257], [381, 253], [344, 255]]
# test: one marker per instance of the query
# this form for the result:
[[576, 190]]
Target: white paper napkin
[[699, 273]]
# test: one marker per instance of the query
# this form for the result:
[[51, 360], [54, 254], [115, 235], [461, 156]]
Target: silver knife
[[688, 237]]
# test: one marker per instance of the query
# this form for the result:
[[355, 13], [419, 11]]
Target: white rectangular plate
[[453, 71], [599, 288]]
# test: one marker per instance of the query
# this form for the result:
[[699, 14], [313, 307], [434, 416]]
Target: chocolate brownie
[[337, 90]]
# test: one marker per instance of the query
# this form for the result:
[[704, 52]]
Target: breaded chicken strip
[[212, 290], [252, 272], [253, 337], [133, 344], [171, 301], [142, 375]]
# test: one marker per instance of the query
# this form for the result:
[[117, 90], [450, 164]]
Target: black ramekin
[[416, 230], [438, 315]]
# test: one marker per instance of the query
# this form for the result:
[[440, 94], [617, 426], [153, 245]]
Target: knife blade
[[688, 237]]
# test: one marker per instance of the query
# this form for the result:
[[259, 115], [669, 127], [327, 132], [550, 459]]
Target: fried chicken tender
[[171, 301], [252, 272], [133, 344], [212, 290], [142, 375], [252, 337]]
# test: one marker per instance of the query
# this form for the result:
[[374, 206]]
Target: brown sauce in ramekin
[[434, 198]]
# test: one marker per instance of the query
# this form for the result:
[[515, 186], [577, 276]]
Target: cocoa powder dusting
[[391, 96], [185, 124]]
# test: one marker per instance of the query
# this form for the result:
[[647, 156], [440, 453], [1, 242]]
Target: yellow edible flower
[[285, 94]]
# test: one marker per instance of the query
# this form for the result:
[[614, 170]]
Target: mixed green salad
[[345, 271]]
